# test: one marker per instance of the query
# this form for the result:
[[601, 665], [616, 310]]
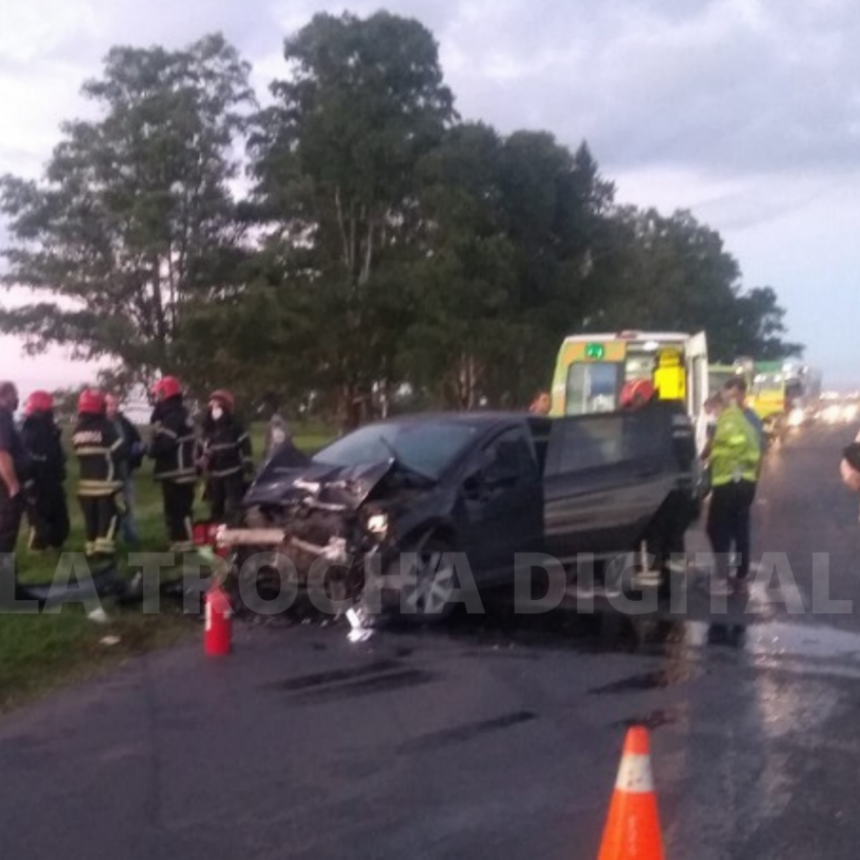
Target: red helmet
[[91, 402], [224, 397], [636, 393], [38, 401], [167, 386]]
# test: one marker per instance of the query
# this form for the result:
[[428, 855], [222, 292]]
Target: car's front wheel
[[418, 587], [429, 583]]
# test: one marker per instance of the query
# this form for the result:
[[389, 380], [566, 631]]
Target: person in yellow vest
[[734, 454]]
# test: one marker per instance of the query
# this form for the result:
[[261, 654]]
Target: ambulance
[[591, 370]]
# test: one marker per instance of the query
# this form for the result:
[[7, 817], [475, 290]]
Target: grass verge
[[41, 652]]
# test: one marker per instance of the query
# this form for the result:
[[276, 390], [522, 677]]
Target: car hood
[[345, 487]]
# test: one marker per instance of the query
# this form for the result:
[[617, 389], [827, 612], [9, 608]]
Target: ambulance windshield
[[593, 387]]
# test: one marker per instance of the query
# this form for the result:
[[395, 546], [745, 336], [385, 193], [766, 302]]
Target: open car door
[[605, 478], [698, 385]]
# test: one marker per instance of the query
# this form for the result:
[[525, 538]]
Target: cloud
[[729, 87], [724, 86], [745, 111]]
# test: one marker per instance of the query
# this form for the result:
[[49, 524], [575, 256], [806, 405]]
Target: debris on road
[[358, 633]]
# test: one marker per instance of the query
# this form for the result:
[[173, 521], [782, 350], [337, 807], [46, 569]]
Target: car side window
[[594, 442], [509, 453]]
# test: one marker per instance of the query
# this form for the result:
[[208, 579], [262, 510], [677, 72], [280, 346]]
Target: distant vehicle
[[488, 485], [838, 410], [720, 374], [592, 369], [785, 395]]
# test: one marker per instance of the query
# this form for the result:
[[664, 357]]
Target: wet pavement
[[495, 736]]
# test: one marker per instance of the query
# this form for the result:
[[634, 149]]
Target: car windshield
[[426, 447]]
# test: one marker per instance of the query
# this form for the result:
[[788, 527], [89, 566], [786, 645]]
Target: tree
[[334, 161], [672, 273], [759, 327], [555, 204], [462, 287], [134, 216]]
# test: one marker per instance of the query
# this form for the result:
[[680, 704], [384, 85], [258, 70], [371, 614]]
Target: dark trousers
[[101, 518], [178, 507], [729, 523], [48, 516], [11, 511], [665, 536], [225, 498]]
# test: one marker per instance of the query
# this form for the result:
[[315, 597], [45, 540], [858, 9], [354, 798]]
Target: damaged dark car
[[413, 499]]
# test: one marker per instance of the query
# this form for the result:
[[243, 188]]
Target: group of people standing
[[109, 450]]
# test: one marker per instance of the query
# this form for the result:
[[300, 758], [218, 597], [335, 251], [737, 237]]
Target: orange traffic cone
[[633, 827]]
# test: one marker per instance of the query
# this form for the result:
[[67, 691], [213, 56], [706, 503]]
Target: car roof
[[475, 419]]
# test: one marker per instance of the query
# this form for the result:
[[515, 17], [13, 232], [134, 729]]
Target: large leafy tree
[[555, 204], [463, 287], [383, 241], [759, 328], [335, 166], [134, 217]]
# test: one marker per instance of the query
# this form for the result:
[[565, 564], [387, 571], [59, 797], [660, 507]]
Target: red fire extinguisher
[[219, 625]]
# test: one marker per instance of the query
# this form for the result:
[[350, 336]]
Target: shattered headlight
[[377, 524]]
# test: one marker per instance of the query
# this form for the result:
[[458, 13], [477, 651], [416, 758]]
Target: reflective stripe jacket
[[173, 444], [226, 447], [42, 440], [735, 452], [100, 453]]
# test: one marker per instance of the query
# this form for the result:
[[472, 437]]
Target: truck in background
[[784, 394]]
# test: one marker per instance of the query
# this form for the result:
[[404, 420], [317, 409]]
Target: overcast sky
[[747, 112]]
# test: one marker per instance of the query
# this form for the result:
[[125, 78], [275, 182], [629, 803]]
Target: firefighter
[[47, 510], [173, 448], [134, 451], [638, 393], [226, 458], [100, 453]]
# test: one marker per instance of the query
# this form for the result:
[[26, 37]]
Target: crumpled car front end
[[313, 529]]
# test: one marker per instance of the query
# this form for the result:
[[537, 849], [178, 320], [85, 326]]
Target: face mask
[[217, 412]]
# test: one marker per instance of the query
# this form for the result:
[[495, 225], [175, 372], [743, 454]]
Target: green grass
[[39, 652]]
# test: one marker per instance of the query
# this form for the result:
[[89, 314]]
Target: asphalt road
[[495, 737]]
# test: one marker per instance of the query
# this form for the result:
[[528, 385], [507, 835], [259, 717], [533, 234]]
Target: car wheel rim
[[431, 584]]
